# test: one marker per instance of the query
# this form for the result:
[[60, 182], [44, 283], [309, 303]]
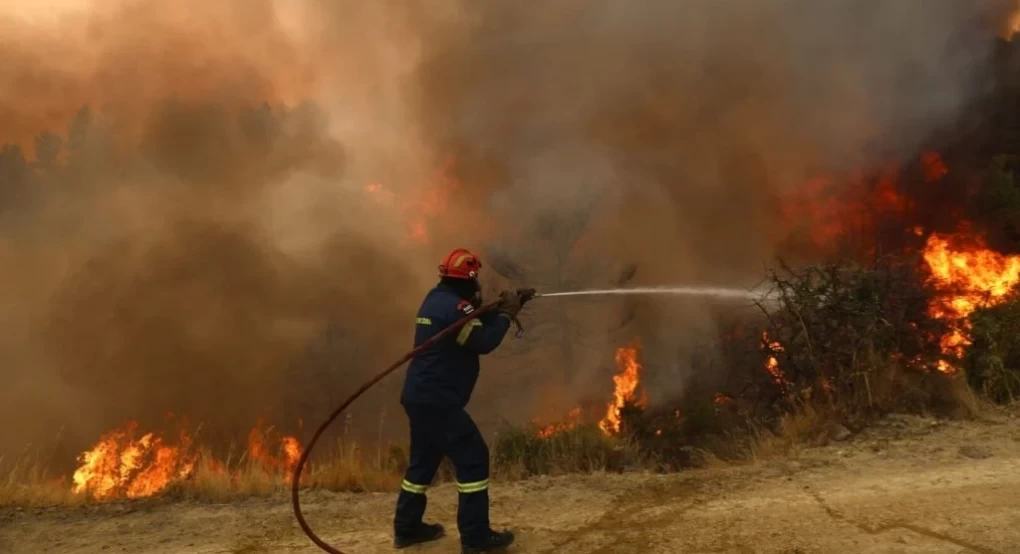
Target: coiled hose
[[298, 469]]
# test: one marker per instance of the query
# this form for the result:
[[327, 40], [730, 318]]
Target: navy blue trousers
[[437, 432]]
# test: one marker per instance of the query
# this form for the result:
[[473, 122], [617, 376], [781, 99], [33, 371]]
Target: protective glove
[[510, 303]]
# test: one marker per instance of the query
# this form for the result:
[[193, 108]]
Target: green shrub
[[993, 360]]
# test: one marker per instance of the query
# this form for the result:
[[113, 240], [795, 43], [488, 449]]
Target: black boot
[[496, 541], [426, 532]]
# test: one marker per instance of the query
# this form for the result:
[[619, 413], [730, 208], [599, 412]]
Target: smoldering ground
[[182, 248]]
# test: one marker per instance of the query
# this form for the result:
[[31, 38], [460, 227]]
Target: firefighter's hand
[[526, 295], [510, 303]]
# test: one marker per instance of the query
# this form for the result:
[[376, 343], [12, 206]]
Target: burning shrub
[[833, 343], [847, 335]]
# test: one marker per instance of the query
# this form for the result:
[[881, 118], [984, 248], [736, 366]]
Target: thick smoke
[[686, 123], [199, 240], [184, 226]]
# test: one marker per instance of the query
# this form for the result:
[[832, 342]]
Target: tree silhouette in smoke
[[48, 147], [550, 257], [14, 176]]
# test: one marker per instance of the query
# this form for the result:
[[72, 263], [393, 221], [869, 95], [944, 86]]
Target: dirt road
[[908, 486]]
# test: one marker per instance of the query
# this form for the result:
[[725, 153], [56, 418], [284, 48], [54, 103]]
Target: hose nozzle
[[526, 295]]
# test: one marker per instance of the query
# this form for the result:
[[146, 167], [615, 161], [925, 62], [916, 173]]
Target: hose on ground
[[299, 467]]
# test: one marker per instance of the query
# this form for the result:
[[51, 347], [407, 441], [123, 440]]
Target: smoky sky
[[199, 239]]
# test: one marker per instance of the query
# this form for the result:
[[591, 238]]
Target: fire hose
[[295, 482]]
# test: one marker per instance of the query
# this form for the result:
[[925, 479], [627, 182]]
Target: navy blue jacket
[[445, 373]]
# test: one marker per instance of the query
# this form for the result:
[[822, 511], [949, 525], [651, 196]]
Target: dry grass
[[795, 431], [811, 425], [342, 466], [349, 468], [967, 402], [520, 452], [25, 481]]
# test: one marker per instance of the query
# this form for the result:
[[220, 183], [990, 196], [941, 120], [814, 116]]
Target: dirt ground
[[909, 485]]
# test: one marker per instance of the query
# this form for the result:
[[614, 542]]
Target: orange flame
[[626, 383], [122, 466], [933, 166], [827, 210], [291, 453], [722, 399], [573, 419], [423, 206], [1012, 24], [969, 278], [772, 364], [259, 452]]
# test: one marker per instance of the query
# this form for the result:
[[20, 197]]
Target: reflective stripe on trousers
[[437, 432]]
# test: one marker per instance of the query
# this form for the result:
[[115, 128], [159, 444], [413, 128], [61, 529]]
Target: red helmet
[[460, 264]]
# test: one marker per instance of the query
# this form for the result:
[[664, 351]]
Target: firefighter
[[436, 390]]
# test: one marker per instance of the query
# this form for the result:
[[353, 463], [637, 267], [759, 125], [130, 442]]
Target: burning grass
[[128, 465], [347, 466], [26, 481]]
